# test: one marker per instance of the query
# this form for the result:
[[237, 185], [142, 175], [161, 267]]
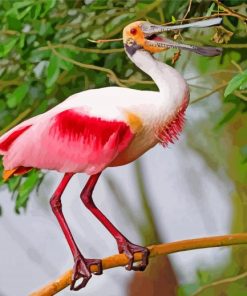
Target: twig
[[112, 75], [6, 83], [81, 49], [17, 120], [188, 10], [209, 93], [137, 81], [220, 282], [163, 249], [105, 40], [211, 73], [240, 95], [197, 18], [141, 14], [237, 66], [231, 12], [9, 32], [199, 86]]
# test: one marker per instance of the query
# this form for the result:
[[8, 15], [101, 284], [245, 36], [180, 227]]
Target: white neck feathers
[[168, 80]]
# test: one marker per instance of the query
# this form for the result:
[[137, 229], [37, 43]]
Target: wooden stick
[[163, 249]]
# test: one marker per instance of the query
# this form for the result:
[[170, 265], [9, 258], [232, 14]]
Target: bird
[[106, 127]]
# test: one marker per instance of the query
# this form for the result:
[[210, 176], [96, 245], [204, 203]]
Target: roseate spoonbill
[[105, 127]]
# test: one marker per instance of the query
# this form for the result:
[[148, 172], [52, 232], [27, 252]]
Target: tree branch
[[17, 120], [111, 74], [163, 249], [231, 12], [81, 49], [220, 282], [217, 88]]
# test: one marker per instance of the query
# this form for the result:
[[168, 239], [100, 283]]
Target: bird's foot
[[81, 269], [129, 250]]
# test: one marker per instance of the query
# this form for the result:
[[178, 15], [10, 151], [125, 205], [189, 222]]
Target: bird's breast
[[168, 130]]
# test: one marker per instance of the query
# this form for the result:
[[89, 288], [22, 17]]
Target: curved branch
[[217, 88], [111, 74], [231, 12], [81, 49], [17, 120], [163, 249], [220, 282]]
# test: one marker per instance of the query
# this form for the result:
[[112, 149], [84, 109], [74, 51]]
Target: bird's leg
[[124, 245], [82, 265]]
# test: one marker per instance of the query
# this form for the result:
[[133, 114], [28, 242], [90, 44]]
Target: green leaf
[[25, 189], [13, 183], [173, 19], [49, 4], [22, 40], [44, 28], [235, 83], [52, 71], [35, 12], [187, 289], [227, 117], [36, 55], [62, 63], [2, 105], [14, 23], [7, 46], [243, 151], [22, 4], [210, 10], [23, 13], [17, 96]]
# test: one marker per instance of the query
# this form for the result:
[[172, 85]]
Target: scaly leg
[[124, 245], [82, 265]]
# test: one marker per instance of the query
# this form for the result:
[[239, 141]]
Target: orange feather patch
[[134, 122], [15, 172], [8, 174]]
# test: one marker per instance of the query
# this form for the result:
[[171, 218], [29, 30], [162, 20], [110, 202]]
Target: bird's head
[[142, 35]]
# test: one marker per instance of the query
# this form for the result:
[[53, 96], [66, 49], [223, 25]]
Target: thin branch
[[17, 120], [240, 95], [188, 10], [137, 81], [9, 32], [220, 282], [140, 14], [112, 75], [163, 249], [231, 12], [81, 49], [197, 18], [199, 86], [6, 83], [211, 73], [217, 88], [237, 66]]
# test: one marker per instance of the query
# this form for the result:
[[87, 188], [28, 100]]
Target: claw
[[81, 270], [129, 250]]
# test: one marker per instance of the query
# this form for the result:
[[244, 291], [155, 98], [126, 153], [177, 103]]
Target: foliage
[[41, 42], [238, 82], [46, 55]]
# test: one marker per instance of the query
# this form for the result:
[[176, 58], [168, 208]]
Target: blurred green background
[[46, 55]]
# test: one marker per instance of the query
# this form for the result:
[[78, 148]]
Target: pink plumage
[[68, 141]]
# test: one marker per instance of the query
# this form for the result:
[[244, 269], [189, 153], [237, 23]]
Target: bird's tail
[[14, 172]]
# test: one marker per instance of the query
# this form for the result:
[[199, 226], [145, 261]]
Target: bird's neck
[[168, 80]]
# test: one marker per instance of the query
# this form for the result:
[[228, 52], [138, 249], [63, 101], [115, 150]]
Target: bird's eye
[[133, 31]]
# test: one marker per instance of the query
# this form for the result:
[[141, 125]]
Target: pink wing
[[69, 141]]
